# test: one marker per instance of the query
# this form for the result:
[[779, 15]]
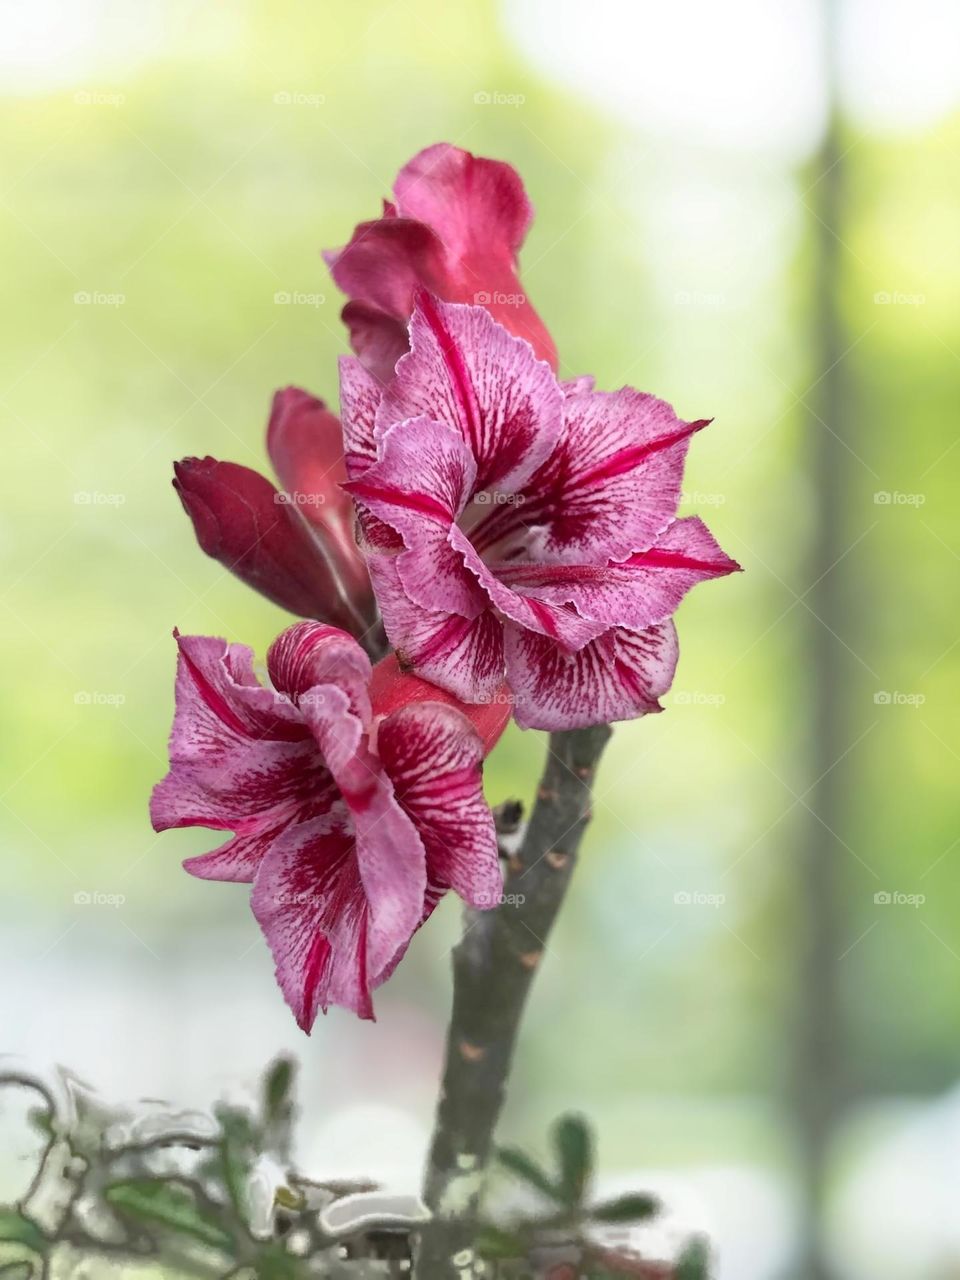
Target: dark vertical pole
[[819, 1053]]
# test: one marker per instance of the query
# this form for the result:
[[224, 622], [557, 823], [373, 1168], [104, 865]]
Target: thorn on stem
[[471, 1052]]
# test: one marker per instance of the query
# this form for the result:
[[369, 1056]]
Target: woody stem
[[493, 968]]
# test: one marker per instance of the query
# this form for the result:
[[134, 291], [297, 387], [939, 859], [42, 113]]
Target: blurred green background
[[700, 227]]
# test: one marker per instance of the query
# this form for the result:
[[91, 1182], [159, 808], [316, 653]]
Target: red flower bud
[[243, 522]]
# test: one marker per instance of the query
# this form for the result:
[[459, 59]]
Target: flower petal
[[466, 370], [359, 399], [390, 855], [386, 261], [378, 339], [618, 677], [392, 688], [305, 442], [240, 760], [419, 486], [310, 654], [310, 903], [480, 211], [634, 593], [435, 761], [469, 201], [553, 618], [454, 230], [462, 655], [609, 488]]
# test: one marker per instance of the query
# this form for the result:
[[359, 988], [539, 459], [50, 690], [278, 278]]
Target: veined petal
[[462, 655], [552, 618], [359, 399], [435, 761], [418, 487], [310, 903], [241, 759], [466, 370], [390, 854], [392, 688], [310, 654], [611, 485], [617, 677], [633, 593]]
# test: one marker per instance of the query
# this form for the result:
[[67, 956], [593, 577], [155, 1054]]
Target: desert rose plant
[[472, 539]]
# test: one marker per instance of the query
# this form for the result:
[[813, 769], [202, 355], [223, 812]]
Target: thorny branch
[[493, 968]]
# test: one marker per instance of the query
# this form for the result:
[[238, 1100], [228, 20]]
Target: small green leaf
[[169, 1206], [522, 1166], [694, 1263], [237, 1153], [493, 1242], [626, 1208], [573, 1142], [15, 1227], [278, 1089]]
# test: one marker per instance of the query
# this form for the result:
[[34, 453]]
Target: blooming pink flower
[[354, 798], [296, 547], [514, 523], [455, 227]]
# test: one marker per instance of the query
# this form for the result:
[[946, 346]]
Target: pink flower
[[455, 227], [297, 548], [354, 798], [516, 524]]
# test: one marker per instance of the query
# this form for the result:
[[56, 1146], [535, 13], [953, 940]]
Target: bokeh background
[[751, 209]]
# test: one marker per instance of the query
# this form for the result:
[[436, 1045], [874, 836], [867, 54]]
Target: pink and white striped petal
[[435, 761], [390, 856], [634, 593], [619, 676], [310, 654], [310, 903], [360, 396], [466, 370], [241, 759], [419, 485], [462, 655]]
